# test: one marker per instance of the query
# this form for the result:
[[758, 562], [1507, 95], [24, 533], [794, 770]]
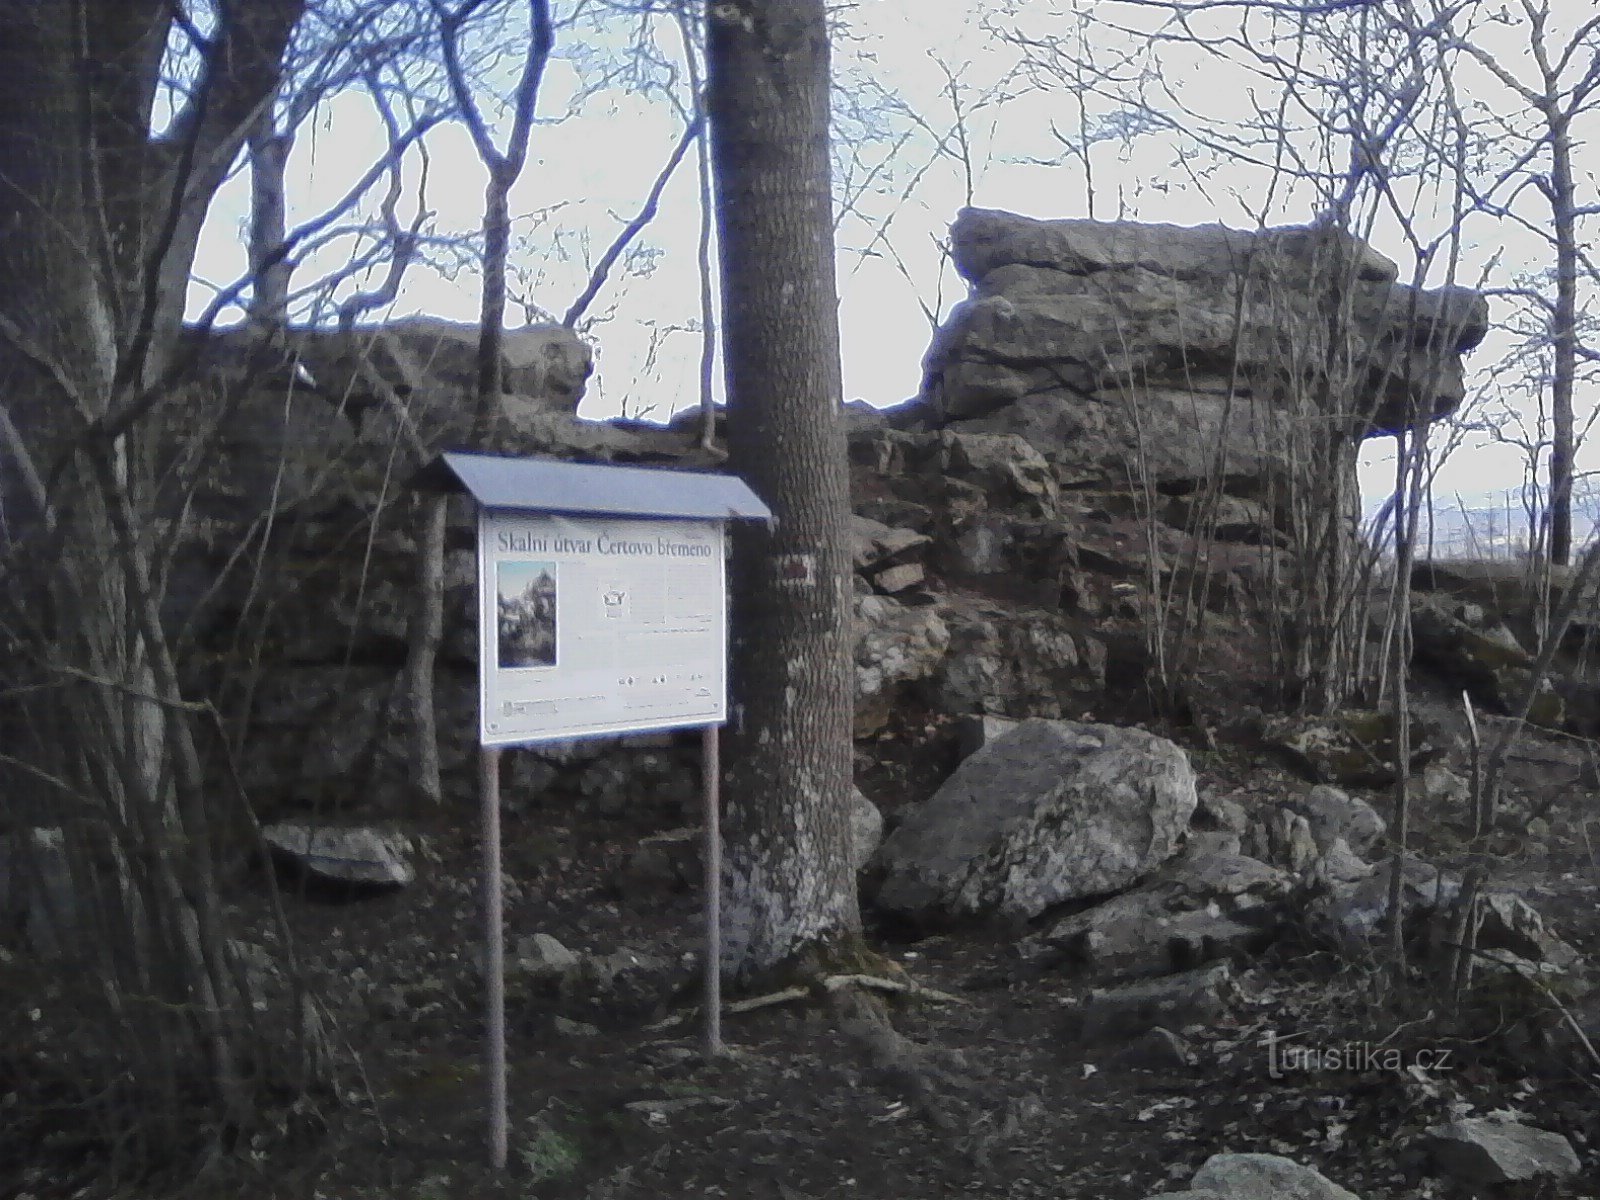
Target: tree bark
[[790, 884], [269, 227], [1563, 337]]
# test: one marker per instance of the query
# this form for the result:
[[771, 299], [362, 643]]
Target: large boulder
[[1498, 1149], [1051, 811], [1350, 913], [1351, 748], [547, 362], [1258, 1177], [1113, 316], [1333, 814]]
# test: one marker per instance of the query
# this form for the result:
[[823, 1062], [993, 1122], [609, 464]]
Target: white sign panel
[[591, 625]]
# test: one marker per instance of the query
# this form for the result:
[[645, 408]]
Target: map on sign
[[591, 625]]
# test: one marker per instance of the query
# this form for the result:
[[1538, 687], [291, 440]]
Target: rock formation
[[1050, 811], [1009, 553], [1179, 355]]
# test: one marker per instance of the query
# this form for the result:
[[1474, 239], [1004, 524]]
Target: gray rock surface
[[356, 856], [1348, 914], [1509, 923], [1257, 1177], [1490, 1150], [866, 829], [895, 646], [1334, 814], [1022, 664], [1065, 314], [1202, 906], [1177, 1002], [1052, 811]]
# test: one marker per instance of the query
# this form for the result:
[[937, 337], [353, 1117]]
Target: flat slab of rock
[[1483, 1150], [1258, 1177], [1050, 811], [355, 856], [1202, 906], [1177, 1002]]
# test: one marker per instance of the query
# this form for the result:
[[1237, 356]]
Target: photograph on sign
[[526, 630], [592, 625]]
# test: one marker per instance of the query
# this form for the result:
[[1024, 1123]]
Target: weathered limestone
[[1498, 1149], [1051, 811], [1257, 1177], [1209, 331], [354, 857]]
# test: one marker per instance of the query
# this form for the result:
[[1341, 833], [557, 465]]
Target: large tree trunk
[[791, 886]]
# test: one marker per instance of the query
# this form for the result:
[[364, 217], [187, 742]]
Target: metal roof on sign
[[548, 485]]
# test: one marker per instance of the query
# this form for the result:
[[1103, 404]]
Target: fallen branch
[[831, 985], [902, 987]]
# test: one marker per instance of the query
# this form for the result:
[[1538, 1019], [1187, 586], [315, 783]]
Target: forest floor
[[995, 1098]]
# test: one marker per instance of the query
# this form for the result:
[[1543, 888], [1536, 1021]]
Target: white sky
[[587, 174]]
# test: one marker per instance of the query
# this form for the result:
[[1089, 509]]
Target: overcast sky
[[588, 172]]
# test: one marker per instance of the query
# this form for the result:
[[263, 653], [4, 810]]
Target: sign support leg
[[712, 789], [494, 956]]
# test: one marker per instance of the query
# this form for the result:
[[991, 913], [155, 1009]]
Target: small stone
[[1339, 864], [567, 1027], [541, 955], [357, 856], [903, 578], [1333, 813], [1223, 812], [1156, 1050], [866, 829], [976, 731]]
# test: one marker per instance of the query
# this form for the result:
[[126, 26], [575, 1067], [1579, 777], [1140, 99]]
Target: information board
[[592, 625]]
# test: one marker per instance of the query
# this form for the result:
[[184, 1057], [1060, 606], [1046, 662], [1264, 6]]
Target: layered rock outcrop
[[1006, 537], [1177, 355]]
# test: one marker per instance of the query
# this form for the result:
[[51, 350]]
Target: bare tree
[[1553, 84], [101, 222]]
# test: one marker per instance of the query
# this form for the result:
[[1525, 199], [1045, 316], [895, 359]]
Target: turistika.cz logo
[[1285, 1056]]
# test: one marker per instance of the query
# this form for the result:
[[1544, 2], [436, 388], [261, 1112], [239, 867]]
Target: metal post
[[494, 956], [712, 790]]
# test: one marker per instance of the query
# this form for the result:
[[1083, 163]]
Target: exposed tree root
[[935, 1083]]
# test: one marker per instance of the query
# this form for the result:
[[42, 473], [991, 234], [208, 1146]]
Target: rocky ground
[[1011, 1081], [1133, 950]]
